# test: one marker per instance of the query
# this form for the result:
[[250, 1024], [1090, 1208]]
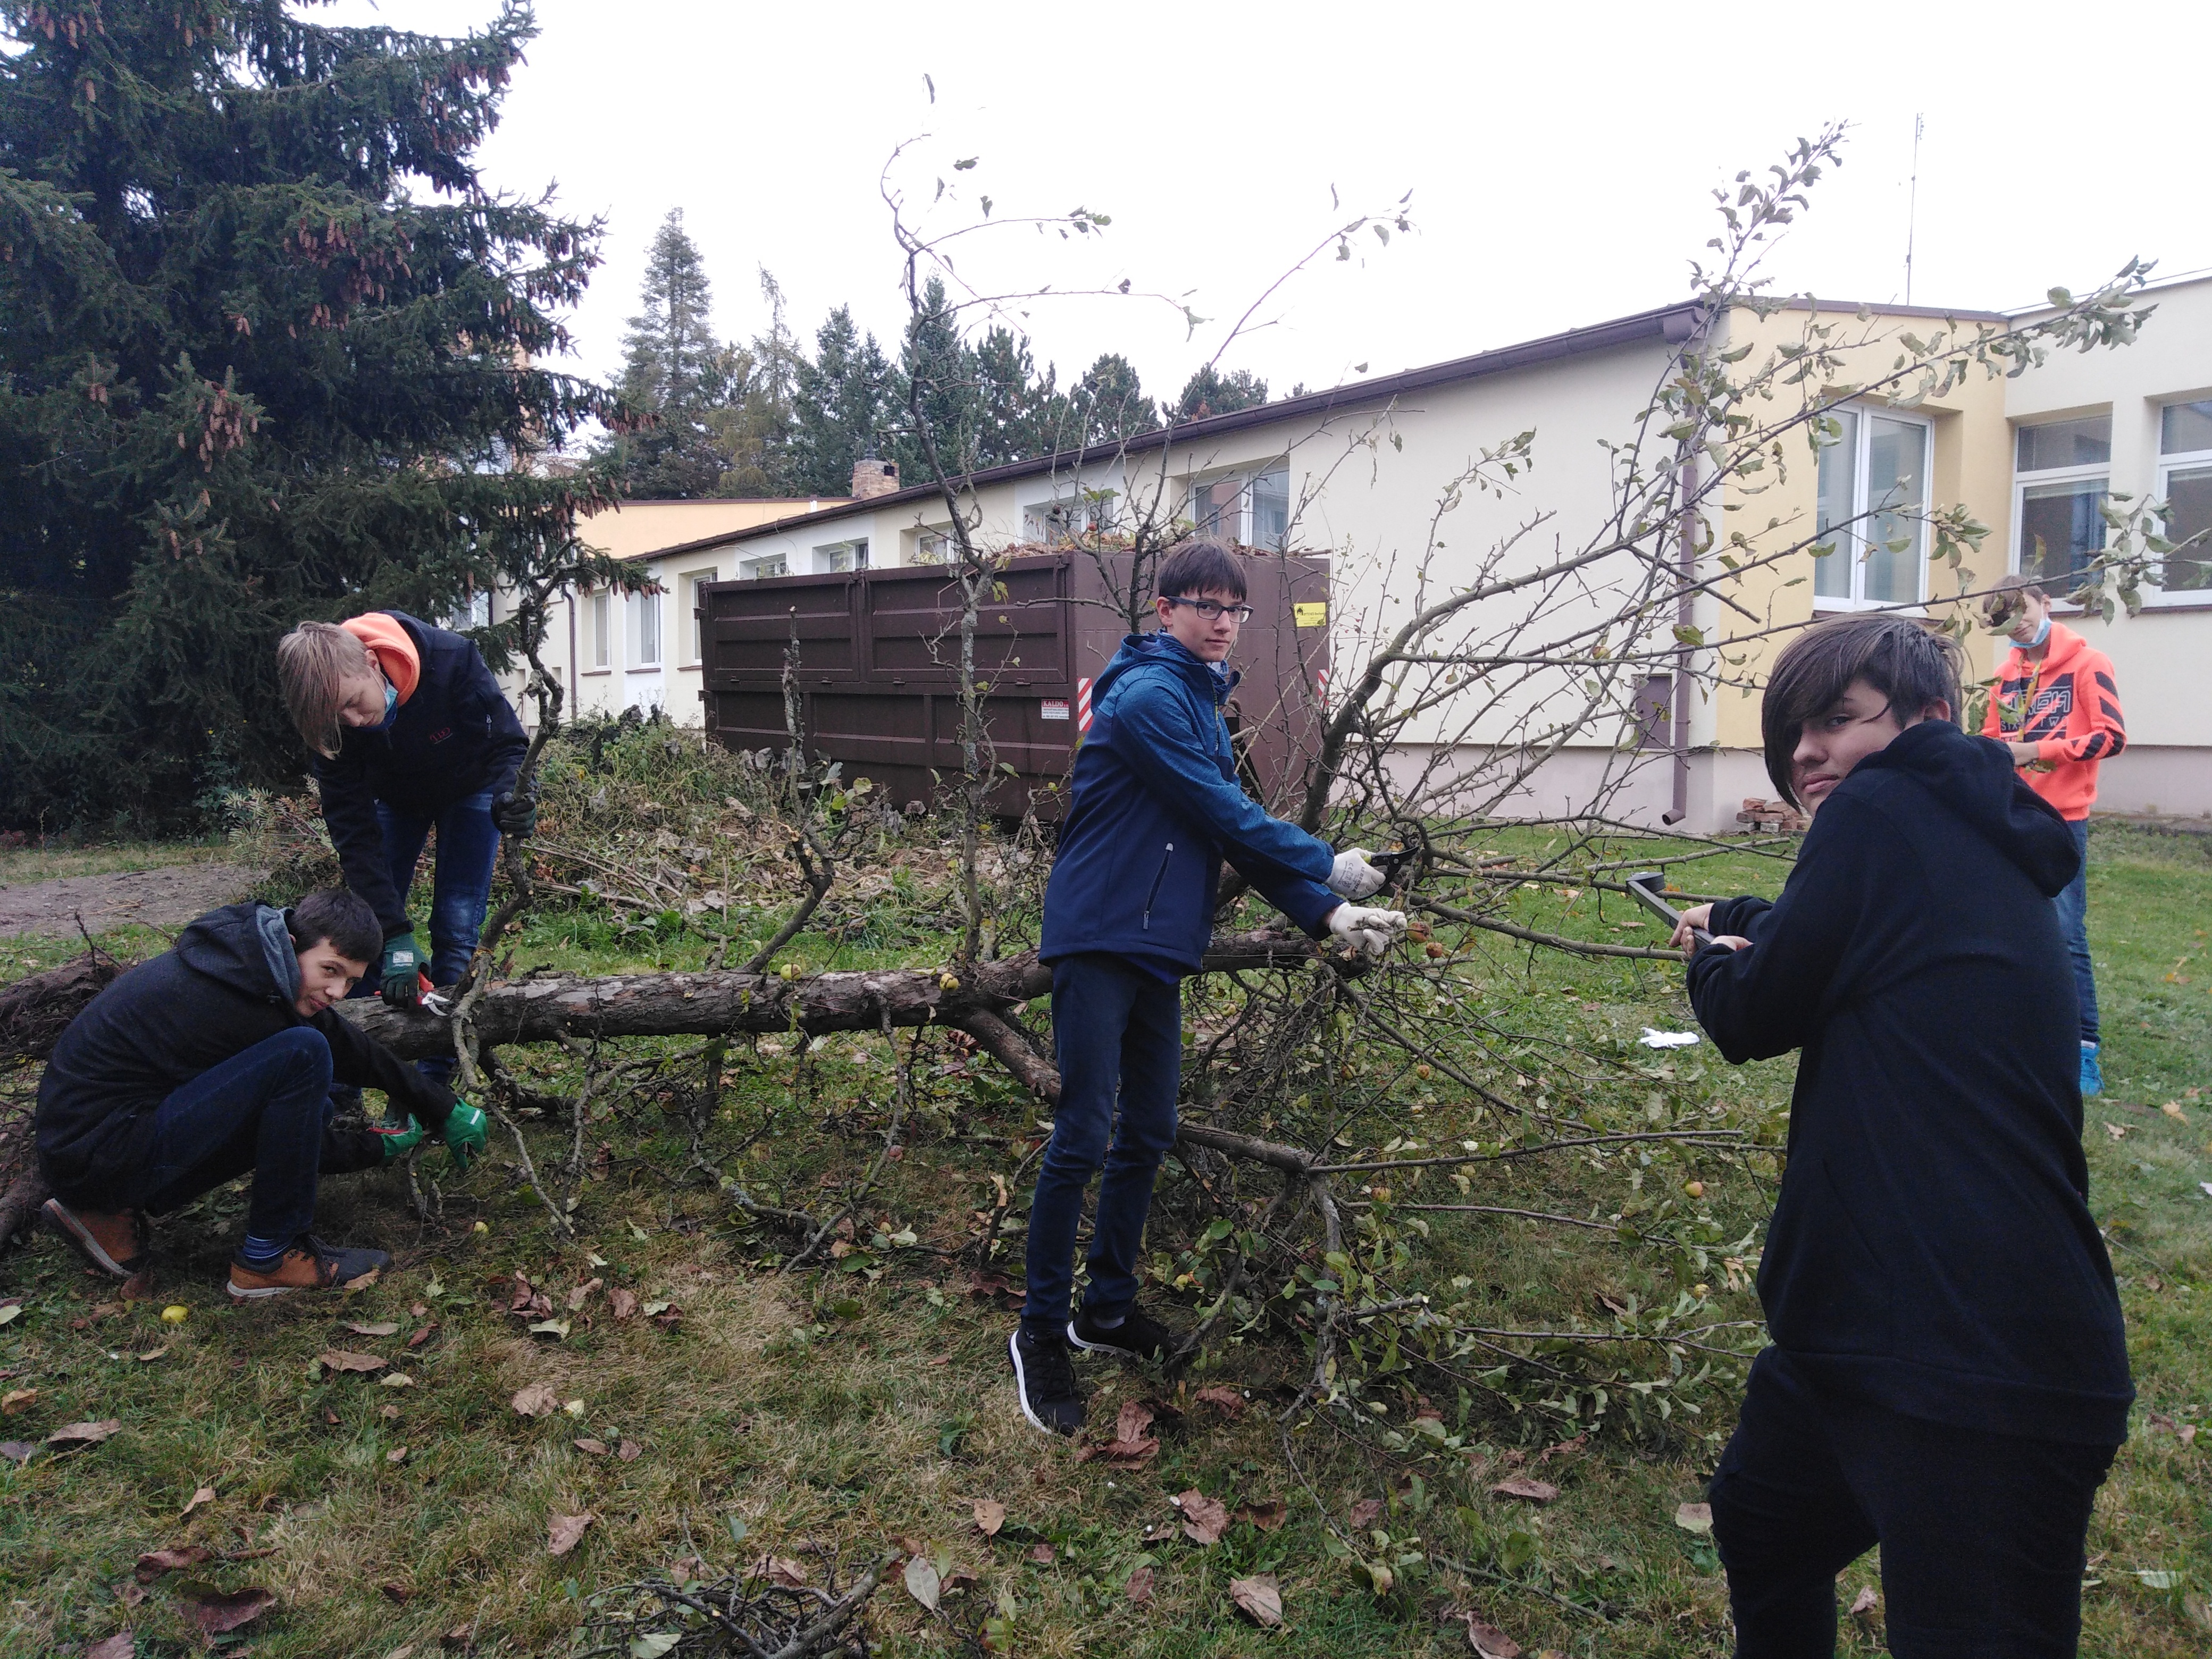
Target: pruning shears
[[1645, 886]]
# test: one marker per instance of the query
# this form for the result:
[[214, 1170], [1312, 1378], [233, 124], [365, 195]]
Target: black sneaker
[[1138, 1336], [1044, 1382]]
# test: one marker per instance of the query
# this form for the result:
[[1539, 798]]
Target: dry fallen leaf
[[582, 1294], [1204, 1519], [1864, 1602], [1261, 1597], [216, 1612], [396, 1456], [18, 1451], [421, 1336], [1043, 1554], [121, 1645], [921, 1581], [153, 1354], [623, 1303], [1489, 1641], [1694, 1517], [596, 1448], [383, 1328], [780, 1569], [1138, 1590], [1227, 1398], [990, 1515], [396, 1380], [630, 1451], [538, 1399], [1520, 1485], [84, 1434], [154, 1563], [1267, 1514], [562, 1535], [204, 1495], [343, 1360], [17, 1399], [1366, 1513]]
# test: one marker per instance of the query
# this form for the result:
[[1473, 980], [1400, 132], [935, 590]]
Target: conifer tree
[[248, 375], [1110, 402], [675, 369], [1209, 391], [844, 406]]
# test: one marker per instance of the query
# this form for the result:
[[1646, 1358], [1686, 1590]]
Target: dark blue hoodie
[[1932, 1248], [1154, 807], [454, 737]]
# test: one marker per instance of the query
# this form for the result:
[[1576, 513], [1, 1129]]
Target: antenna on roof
[[1912, 205]]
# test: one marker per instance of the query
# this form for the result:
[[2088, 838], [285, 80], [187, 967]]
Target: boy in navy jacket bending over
[[1154, 808], [1948, 1377]]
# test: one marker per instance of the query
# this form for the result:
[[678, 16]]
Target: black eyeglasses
[[1212, 608]]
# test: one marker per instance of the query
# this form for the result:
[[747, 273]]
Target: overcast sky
[[1559, 157]]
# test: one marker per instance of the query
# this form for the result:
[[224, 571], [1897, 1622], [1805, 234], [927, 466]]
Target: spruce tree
[[249, 375], [674, 368], [1110, 402], [844, 406], [1209, 391]]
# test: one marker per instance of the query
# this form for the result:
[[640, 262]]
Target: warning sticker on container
[[1310, 616], [1055, 709]]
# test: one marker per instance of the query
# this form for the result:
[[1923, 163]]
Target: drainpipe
[[574, 708], [1684, 612]]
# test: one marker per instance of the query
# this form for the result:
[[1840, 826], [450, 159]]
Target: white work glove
[[1354, 878], [1369, 931]]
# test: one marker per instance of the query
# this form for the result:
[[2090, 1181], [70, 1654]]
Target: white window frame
[[687, 586], [1245, 478], [599, 630], [475, 611], [2023, 481], [853, 549], [642, 607], [764, 566], [2185, 460], [1850, 544], [933, 544]]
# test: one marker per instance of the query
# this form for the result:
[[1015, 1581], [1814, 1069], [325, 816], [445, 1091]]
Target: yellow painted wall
[[636, 528]]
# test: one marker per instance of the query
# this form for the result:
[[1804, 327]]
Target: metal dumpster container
[[879, 675]]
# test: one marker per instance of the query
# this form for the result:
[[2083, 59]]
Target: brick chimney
[[872, 476]]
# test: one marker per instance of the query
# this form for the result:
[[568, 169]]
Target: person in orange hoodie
[[410, 733], [2057, 705]]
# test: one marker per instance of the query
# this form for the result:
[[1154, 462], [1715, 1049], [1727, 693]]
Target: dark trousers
[[1981, 1534], [460, 887], [261, 1111], [1117, 1034], [2073, 903]]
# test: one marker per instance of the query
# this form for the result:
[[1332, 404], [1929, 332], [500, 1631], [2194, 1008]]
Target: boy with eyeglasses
[[1154, 807]]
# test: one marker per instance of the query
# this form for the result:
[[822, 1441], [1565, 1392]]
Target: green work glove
[[396, 1143], [401, 971], [465, 1133]]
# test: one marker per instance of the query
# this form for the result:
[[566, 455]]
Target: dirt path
[[166, 897]]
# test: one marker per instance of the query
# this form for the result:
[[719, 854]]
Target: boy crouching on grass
[[1948, 1377], [214, 1060], [1154, 806]]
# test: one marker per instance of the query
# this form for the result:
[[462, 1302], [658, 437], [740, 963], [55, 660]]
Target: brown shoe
[[111, 1241], [308, 1264]]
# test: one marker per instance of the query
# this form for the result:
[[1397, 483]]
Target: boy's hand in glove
[[1354, 878], [401, 972], [1371, 931], [465, 1127], [396, 1143], [515, 812]]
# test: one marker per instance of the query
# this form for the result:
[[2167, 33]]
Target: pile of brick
[[1771, 815]]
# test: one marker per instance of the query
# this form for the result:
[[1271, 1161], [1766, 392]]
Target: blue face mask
[[391, 702], [2042, 633]]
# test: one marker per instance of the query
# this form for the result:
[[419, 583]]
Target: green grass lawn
[[868, 1407]]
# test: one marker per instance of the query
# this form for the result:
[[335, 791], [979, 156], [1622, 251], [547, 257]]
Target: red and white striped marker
[[1082, 705]]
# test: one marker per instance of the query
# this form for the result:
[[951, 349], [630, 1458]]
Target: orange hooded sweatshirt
[[394, 652], [2069, 707]]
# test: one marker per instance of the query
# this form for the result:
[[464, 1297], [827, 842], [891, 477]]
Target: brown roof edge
[[1671, 324]]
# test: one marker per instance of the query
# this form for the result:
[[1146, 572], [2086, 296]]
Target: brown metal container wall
[[878, 665]]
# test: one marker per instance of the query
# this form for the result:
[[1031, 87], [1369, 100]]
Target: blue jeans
[[261, 1111], [1117, 1033], [2073, 903], [460, 886]]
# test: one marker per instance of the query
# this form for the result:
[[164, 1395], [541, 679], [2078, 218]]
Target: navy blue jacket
[[1932, 1249], [1154, 807], [454, 737], [227, 983]]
